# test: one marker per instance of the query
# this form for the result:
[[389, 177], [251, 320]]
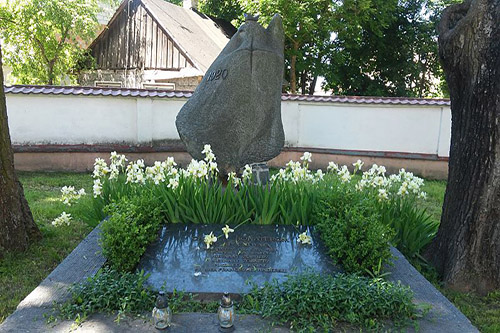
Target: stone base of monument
[[260, 173]]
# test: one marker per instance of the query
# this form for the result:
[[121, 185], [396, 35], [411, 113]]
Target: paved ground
[[86, 259]]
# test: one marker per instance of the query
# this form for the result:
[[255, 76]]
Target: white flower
[[64, 218], [170, 162], [403, 190], [173, 183], [206, 149], [210, 239], [70, 195], [100, 168], [382, 194], [226, 230], [332, 167], [209, 157], [135, 172], [344, 174], [422, 195], [358, 165], [304, 238], [231, 177], [306, 157], [247, 173], [117, 160], [97, 188], [319, 174]]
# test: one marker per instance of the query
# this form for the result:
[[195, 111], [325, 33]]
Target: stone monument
[[237, 106]]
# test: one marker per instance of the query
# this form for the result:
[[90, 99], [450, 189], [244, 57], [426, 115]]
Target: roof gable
[[197, 37]]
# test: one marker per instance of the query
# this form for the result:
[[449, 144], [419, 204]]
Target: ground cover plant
[[306, 302]]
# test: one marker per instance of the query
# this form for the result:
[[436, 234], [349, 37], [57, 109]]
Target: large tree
[[466, 250], [17, 228], [360, 47], [46, 38]]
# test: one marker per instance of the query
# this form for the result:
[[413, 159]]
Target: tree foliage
[[360, 47], [45, 38]]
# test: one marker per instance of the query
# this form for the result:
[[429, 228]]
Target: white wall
[[69, 119]]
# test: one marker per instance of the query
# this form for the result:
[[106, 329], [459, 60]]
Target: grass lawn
[[21, 273]]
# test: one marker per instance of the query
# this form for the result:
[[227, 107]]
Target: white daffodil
[[304, 238], [306, 157], [100, 168], [319, 174], [210, 239], [332, 167], [231, 177], [97, 188], [358, 165], [69, 195], [64, 218], [173, 182], [170, 162], [247, 172], [383, 195], [226, 230], [206, 149]]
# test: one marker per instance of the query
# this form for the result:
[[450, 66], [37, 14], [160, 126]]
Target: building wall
[[135, 78], [69, 131], [135, 40]]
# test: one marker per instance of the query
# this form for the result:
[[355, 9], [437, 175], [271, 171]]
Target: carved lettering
[[217, 75], [242, 253]]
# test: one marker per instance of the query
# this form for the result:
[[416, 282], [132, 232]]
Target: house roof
[[94, 91], [198, 36]]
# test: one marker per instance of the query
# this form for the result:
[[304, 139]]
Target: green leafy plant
[[414, 228], [133, 223], [108, 291], [311, 301], [352, 231]]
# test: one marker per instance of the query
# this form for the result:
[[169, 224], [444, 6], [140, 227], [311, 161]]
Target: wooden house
[[156, 44]]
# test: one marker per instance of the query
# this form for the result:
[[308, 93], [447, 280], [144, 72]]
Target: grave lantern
[[226, 312], [162, 315]]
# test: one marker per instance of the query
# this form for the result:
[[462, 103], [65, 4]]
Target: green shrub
[[414, 228], [311, 301], [133, 223], [108, 291], [352, 231]]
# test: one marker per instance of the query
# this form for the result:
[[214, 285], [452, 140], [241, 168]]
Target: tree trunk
[[312, 87], [293, 62], [17, 228], [303, 82], [466, 250], [50, 73]]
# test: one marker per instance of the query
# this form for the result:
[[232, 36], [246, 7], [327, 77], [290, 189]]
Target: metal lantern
[[226, 312], [162, 315]]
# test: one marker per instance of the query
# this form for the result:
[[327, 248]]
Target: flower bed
[[358, 214]]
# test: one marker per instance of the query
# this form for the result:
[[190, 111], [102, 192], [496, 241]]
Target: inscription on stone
[[243, 254], [180, 260], [218, 74]]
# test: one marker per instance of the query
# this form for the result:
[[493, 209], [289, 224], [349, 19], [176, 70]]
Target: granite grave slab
[[260, 253]]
